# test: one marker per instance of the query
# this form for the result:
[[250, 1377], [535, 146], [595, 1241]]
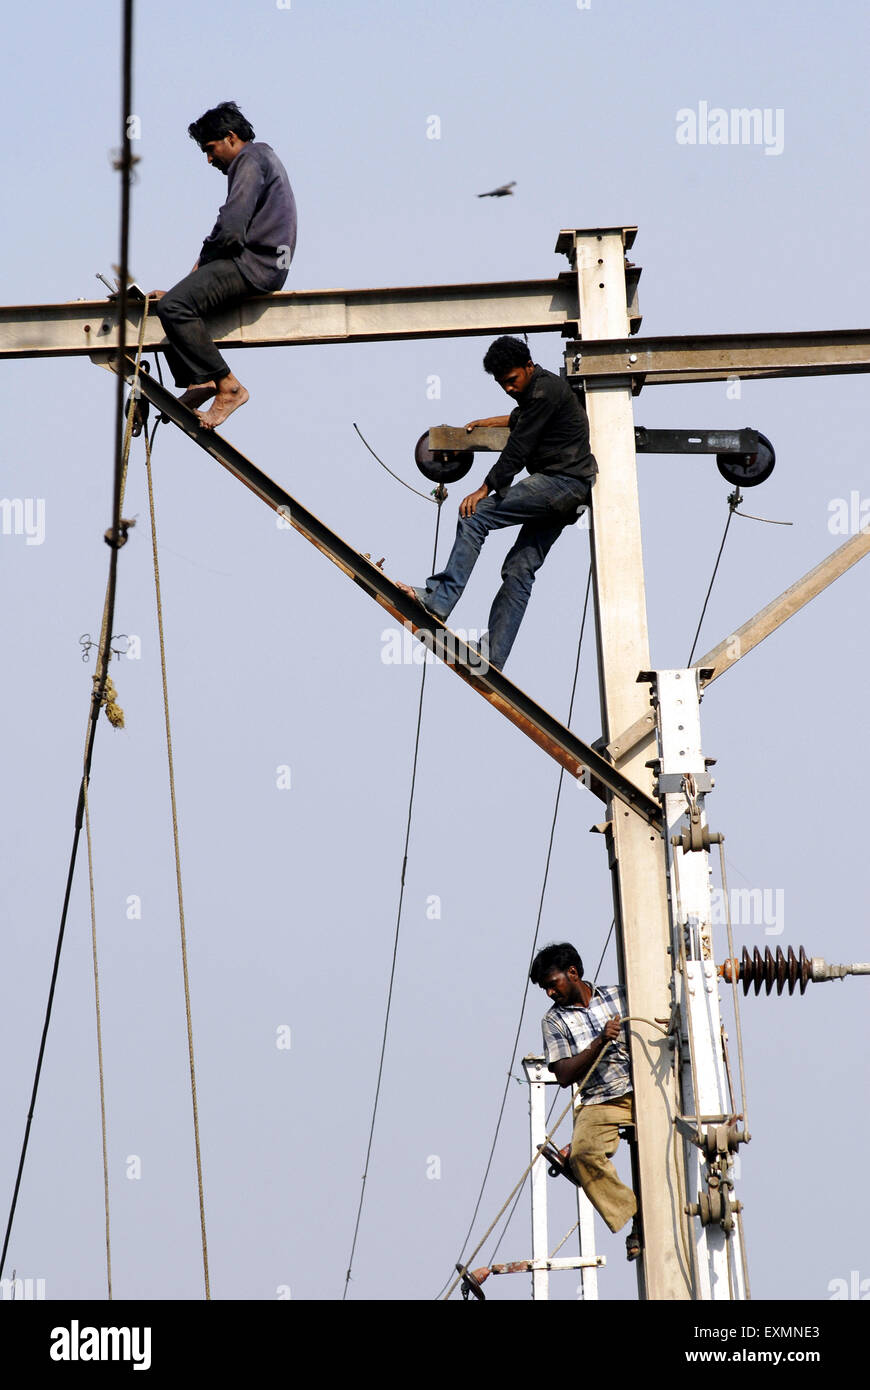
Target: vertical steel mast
[[636, 854]]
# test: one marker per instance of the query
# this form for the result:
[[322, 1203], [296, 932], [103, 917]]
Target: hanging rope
[[440, 500], [505, 1228], [629, 1018], [534, 940], [552, 1108], [184, 966]]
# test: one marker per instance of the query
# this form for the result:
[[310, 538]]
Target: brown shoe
[[633, 1244]]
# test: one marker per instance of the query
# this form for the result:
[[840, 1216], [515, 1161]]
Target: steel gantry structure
[[648, 765]]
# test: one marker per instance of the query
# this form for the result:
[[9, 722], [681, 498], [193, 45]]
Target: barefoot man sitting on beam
[[248, 252]]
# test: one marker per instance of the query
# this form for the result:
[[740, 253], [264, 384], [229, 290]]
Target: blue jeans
[[542, 505]]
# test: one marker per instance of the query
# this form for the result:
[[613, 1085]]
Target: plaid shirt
[[569, 1030]]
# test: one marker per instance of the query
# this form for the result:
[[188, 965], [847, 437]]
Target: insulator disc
[[746, 970], [748, 470], [444, 465], [806, 969]]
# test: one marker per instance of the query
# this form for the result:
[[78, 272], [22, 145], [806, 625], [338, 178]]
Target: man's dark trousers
[[192, 356]]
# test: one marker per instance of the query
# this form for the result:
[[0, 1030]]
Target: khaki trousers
[[596, 1139]]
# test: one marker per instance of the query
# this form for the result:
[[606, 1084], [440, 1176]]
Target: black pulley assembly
[[442, 465], [748, 470]]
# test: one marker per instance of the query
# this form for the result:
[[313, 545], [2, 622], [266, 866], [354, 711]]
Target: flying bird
[[504, 191]]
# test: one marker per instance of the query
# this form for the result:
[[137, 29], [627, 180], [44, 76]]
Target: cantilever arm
[[779, 610], [562, 744]]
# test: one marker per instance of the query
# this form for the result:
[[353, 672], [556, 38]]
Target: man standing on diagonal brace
[[247, 252], [550, 438], [583, 1019]]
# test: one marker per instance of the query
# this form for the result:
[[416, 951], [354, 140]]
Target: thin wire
[[99, 1045], [148, 443], [395, 940], [122, 438], [768, 521], [731, 509], [425, 496], [534, 944], [601, 958]]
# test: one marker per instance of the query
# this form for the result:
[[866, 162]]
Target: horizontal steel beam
[[564, 746], [492, 439], [659, 361], [309, 316]]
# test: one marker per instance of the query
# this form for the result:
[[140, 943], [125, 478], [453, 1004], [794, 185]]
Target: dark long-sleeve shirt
[[549, 434], [257, 224]]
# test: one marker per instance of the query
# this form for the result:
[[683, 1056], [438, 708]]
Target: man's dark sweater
[[256, 226], [549, 434]]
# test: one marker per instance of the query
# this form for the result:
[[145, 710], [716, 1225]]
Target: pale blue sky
[[275, 659]]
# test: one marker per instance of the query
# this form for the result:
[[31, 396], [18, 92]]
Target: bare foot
[[229, 396], [197, 395], [406, 589]]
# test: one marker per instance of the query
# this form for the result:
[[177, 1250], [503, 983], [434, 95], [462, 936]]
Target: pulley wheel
[[442, 465], [748, 470]]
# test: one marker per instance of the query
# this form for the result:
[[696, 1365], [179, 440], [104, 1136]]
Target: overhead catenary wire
[[415, 760], [534, 938], [124, 165]]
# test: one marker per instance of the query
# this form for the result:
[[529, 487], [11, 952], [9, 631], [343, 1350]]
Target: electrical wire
[[534, 942], [124, 166], [734, 501], [425, 496], [395, 938]]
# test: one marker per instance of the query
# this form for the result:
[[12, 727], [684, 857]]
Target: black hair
[[557, 957], [217, 123], [504, 354]]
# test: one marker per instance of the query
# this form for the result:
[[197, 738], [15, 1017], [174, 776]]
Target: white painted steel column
[[704, 1082], [536, 1070], [539, 1078], [637, 854]]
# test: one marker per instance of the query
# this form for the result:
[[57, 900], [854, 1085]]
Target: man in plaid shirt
[[582, 1020]]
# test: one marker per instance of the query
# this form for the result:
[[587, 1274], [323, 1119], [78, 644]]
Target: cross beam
[[308, 317], [716, 357]]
